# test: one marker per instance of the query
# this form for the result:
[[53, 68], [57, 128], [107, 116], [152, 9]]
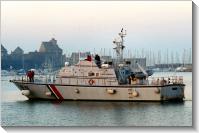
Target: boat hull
[[105, 93]]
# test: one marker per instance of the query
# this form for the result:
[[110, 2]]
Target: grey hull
[[115, 93]]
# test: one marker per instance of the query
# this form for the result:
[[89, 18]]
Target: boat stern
[[172, 92]]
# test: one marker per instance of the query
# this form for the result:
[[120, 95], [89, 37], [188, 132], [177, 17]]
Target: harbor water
[[17, 110]]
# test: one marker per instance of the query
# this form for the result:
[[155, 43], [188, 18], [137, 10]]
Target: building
[[52, 54], [4, 52], [17, 51], [48, 56], [4, 57]]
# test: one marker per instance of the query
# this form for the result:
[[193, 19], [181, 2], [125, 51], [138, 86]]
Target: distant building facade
[[52, 54], [48, 56], [17, 52], [4, 52], [4, 57]]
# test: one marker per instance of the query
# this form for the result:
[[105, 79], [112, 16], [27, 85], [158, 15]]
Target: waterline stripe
[[52, 91], [55, 90]]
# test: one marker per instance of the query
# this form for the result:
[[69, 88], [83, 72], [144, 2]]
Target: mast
[[120, 45]]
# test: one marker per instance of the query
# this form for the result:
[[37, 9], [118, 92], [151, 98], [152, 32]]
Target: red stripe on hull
[[55, 90]]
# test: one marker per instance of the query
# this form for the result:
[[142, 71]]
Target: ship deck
[[116, 86]]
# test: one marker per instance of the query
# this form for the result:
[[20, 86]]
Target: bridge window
[[91, 74], [174, 88]]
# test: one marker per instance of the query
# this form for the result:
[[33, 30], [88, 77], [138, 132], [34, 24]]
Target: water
[[16, 110]]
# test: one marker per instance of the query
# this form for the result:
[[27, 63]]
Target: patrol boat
[[92, 79]]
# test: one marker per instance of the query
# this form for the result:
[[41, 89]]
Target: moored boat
[[92, 79]]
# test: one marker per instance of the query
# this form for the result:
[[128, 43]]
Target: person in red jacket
[[29, 75], [32, 75], [89, 58]]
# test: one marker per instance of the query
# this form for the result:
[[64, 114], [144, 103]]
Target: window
[[97, 74], [174, 88], [91, 74]]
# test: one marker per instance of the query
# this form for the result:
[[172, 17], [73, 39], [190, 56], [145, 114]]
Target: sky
[[89, 26]]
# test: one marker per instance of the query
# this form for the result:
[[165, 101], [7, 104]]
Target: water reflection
[[85, 113]]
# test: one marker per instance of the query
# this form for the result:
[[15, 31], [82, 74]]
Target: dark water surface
[[84, 113], [16, 110]]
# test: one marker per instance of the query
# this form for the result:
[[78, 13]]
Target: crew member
[[32, 75], [89, 58], [28, 74], [98, 60]]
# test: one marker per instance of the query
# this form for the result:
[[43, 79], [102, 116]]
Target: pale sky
[[83, 26]]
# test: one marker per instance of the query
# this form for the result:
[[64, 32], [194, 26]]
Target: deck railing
[[37, 78], [149, 81], [166, 80]]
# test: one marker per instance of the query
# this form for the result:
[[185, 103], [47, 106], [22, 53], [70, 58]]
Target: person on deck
[[28, 74], [98, 60], [89, 58], [32, 75]]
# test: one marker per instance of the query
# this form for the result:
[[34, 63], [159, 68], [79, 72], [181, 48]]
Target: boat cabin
[[87, 73]]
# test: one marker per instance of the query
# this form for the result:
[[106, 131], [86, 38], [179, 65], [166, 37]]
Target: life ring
[[91, 82]]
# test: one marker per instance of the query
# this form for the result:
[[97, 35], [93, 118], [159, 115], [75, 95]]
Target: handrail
[[150, 81], [166, 80]]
